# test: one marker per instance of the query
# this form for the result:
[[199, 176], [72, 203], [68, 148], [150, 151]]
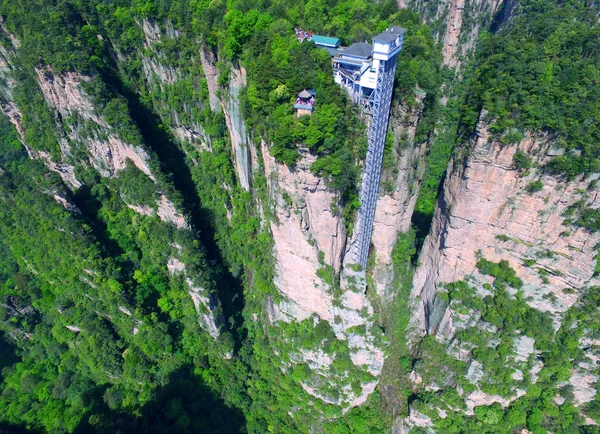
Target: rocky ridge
[[489, 210], [79, 123], [309, 241], [394, 208]]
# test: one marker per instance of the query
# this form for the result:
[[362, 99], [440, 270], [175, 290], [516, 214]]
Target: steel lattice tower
[[387, 45]]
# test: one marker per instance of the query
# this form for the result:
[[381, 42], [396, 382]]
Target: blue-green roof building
[[325, 41]]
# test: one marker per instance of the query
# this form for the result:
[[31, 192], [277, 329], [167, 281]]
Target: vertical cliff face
[[486, 210], [308, 237], [237, 128], [491, 212], [457, 24], [165, 77], [398, 192], [64, 93], [12, 112], [309, 241]]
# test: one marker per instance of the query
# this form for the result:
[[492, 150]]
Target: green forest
[[138, 289]]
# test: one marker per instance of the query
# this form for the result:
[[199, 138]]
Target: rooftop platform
[[348, 60]]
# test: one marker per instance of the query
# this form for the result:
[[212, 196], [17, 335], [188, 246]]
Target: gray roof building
[[397, 30], [304, 94], [332, 51], [386, 36], [358, 49]]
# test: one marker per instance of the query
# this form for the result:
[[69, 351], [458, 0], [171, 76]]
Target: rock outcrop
[[488, 210], [203, 302], [163, 77], [309, 241], [394, 209], [230, 104], [305, 229], [211, 72], [237, 128], [108, 153], [460, 26]]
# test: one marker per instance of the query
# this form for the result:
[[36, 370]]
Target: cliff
[[457, 24], [399, 189], [82, 128], [166, 77], [309, 242], [486, 207], [491, 211]]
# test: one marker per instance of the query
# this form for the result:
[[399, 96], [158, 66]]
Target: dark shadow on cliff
[[6, 428], [184, 405], [8, 355], [90, 205], [421, 221], [505, 11], [173, 165]]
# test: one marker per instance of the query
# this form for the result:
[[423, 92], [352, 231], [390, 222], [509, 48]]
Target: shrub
[[534, 186], [589, 219], [513, 137], [502, 272], [522, 161]]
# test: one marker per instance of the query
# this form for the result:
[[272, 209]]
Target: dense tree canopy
[[98, 335]]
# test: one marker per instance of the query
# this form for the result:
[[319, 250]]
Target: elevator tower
[[386, 47]]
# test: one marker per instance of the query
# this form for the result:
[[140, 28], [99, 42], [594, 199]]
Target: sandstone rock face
[[11, 111], [65, 171], [309, 242], [458, 40], [165, 210], [486, 210], [64, 93], [212, 78], [230, 105], [163, 73], [453, 27], [168, 213], [66, 203], [151, 32], [237, 127], [6, 68], [305, 225], [394, 209]]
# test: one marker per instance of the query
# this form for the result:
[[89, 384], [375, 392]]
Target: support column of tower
[[372, 171]]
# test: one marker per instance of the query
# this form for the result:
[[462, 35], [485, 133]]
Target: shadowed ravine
[[173, 165]]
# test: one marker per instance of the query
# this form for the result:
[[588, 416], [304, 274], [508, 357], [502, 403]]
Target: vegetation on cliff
[[540, 73], [103, 304]]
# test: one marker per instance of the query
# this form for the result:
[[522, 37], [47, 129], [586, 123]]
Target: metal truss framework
[[380, 111]]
